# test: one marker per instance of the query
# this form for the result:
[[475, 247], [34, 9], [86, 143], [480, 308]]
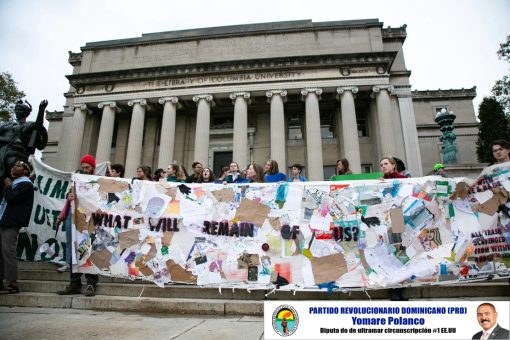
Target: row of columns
[[276, 98]]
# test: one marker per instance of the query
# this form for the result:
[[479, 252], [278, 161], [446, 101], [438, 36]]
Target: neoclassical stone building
[[297, 92]]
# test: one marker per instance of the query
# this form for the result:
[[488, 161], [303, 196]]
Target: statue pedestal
[[465, 170]]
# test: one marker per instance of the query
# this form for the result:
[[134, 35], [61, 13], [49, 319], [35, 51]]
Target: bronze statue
[[20, 138]]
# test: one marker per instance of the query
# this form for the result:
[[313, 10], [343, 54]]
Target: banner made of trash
[[350, 234]]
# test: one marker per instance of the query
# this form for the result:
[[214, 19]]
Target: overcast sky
[[450, 43]]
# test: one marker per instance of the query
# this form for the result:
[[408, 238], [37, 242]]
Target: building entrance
[[221, 159]]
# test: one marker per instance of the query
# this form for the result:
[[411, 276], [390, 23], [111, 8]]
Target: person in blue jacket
[[296, 174], [272, 173]]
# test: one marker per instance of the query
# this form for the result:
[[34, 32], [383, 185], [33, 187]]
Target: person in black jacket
[[15, 211]]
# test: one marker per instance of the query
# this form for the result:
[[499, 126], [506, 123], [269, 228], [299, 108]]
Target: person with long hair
[[401, 167], [389, 168], [143, 172], [342, 167], [206, 176], [171, 172], [159, 174], [255, 173], [272, 173], [181, 175]]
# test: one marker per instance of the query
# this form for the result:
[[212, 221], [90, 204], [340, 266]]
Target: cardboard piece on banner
[[111, 185], [363, 259], [397, 220], [224, 195], [328, 268], [167, 237], [253, 212], [82, 224], [129, 238], [179, 274], [275, 223], [145, 270], [461, 191], [153, 252], [490, 207], [101, 259]]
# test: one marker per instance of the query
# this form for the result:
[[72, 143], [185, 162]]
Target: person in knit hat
[[88, 167]]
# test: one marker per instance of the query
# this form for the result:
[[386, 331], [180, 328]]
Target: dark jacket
[[19, 205], [497, 333]]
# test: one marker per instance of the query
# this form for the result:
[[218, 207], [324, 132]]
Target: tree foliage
[[501, 88], [9, 94], [494, 124]]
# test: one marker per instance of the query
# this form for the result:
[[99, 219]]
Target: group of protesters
[[252, 173], [18, 196]]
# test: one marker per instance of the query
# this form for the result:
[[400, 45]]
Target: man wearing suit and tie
[[487, 318]]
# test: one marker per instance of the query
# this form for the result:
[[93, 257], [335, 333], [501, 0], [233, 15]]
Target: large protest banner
[[42, 240], [51, 187], [359, 234]]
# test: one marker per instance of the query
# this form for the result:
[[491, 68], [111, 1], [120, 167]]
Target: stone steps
[[135, 304], [39, 281]]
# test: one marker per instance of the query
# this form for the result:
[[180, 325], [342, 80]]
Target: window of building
[[327, 124], [295, 126], [366, 168], [328, 171], [438, 109], [362, 127], [222, 122]]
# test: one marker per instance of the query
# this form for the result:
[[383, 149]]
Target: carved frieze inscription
[[229, 79]]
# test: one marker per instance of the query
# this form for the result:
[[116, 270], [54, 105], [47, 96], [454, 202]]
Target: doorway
[[221, 159]]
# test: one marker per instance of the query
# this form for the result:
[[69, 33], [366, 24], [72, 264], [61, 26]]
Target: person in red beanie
[[88, 167]]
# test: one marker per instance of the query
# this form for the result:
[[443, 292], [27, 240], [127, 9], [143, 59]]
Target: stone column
[[167, 140], [277, 126], [204, 102], [104, 142], [411, 143], [311, 97], [387, 135], [135, 140], [240, 141], [73, 143], [350, 127]]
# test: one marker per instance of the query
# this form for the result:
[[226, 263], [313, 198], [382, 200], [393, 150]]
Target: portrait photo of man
[[487, 318]]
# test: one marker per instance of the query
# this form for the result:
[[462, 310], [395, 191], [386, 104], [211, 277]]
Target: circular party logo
[[285, 320]]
